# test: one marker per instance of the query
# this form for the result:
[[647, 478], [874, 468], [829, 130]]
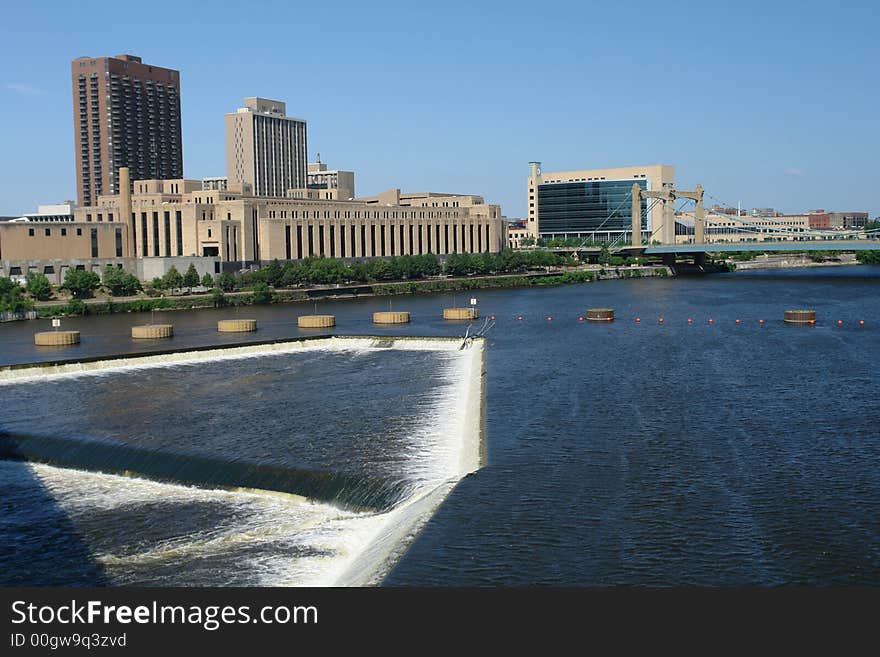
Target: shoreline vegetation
[[308, 280], [314, 279]]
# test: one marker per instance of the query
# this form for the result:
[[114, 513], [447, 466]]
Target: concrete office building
[[168, 219], [330, 184], [218, 184], [46, 213], [744, 228], [265, 148], [125, 114], [594, 204], [518, 234]]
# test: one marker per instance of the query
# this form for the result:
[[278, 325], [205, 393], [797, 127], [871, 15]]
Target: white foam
[[39, 372]]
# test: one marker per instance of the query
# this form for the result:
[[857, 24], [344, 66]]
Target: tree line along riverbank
[[84, 293]]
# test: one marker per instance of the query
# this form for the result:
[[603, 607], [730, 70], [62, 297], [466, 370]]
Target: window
[[79, 231], [94, 242], [48, 232], [30, 232], [179, 227], [167, 225], [63, 232]]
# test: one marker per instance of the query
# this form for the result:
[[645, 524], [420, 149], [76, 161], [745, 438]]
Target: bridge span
[[730, 247]]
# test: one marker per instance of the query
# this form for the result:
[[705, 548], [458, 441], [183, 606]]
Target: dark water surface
[[633, 453]]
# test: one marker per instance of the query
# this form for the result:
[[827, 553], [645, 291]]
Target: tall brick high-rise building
[[125, 114]]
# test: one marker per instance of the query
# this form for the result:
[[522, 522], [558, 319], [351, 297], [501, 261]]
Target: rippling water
[[347, 424], [645, 454]]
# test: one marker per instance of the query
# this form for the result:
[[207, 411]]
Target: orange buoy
[[580, 319], [638, 319], [737, 321], [812, 322], [861, 322], [690, 321], [660, 320], [711, 321], [840, 322], [761, 321], [519, 318], [492, 317]]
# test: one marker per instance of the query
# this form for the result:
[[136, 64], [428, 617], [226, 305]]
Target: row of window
[[146, 228], [93, 234], [588, 206], [354, 239]]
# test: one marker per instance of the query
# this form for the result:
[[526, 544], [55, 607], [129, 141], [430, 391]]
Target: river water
[[622, 453]]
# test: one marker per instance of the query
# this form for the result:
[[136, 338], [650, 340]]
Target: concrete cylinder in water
[[800, 316], [152, 331], [237, 325], [388, 317], [56, 338], [600, 314], [460, 313], [316, 321]]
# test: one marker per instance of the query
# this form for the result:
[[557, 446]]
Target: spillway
[[306, 462]]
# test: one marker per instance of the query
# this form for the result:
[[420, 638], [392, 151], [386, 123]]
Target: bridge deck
[[789, 245]]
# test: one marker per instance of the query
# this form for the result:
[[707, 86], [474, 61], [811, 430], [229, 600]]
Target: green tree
[[207, 281], [381, 270], [12, 297], [868, 257], [226, 281], [293, 274], [120, 282], [457, 264], [80, 283], [191, 277], [38, 286], [218, 298], [427, 264], [272, 274], [361, 272], [262, 293], [173, 278]]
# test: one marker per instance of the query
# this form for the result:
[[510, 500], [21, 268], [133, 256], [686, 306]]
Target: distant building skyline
[[762, 126]]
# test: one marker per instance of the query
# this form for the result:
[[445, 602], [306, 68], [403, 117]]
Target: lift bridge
[[740, 234]]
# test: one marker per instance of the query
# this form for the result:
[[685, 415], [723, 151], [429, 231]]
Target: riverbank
[[792, 261], [112, 305]]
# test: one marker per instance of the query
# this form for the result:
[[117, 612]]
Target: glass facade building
[[588, 207]]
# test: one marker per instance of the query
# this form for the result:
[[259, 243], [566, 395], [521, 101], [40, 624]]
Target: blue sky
[[768, 103]]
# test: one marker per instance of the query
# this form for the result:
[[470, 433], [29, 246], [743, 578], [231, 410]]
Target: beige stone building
[[731, 228], [177, 218], [326, 184], [265, 148], [594, 204]]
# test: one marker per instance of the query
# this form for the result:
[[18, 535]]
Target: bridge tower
[[667, 196], [699, 212]]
